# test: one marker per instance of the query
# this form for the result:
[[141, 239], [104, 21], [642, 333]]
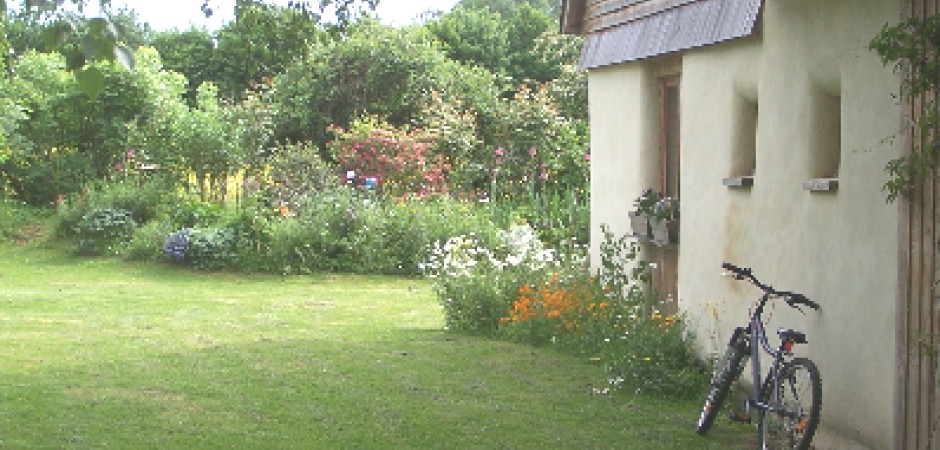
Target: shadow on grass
[[415, 389], [151, 356]]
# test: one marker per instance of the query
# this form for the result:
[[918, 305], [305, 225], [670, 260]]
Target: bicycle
[[789, 400]]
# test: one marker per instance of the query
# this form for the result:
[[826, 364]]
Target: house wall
[[626, 146], [840, 248]]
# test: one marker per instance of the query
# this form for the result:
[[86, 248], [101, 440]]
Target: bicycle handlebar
[[792, 298]]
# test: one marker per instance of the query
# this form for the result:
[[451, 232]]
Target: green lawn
[[107, 354]]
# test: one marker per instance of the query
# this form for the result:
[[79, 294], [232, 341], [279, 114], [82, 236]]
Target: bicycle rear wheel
[[796, 401], [727, 369]]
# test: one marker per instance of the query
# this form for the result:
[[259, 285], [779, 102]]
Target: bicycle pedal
[[740, 417]]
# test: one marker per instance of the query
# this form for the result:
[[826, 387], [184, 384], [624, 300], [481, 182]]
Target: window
[[666, 257], [744, 143], [825, 142], [669, 154]]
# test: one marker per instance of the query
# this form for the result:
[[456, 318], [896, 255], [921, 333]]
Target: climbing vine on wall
[[912, 48]]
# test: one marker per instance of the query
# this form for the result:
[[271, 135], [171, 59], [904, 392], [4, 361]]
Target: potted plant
[[664, 221], [645, 206]]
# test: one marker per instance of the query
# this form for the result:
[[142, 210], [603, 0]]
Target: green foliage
[[474, 36], [455, 129], [295, 172], [259, 44], [147, 242], [59, 138], [560, 217], [343, 230], [912, 46], [104, 231], [212, 141], [322, 236], [190, 53], [252, 228], [525, 27], [211, 248], [500, 36], [87, 43], [398, 237], [290, 217], [145, 201], [18, 221], [568, 86], [35, 165], [506, 8], [192, 212], [378, 70]]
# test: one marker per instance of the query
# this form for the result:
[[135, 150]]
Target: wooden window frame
[[669, 78]]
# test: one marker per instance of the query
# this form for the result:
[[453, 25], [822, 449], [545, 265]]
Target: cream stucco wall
[[839, 248]]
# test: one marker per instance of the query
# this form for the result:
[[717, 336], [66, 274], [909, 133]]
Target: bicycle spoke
[[791, 422]]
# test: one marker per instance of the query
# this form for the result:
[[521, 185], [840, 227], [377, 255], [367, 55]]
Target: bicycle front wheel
[[795, 401], [727, 369]]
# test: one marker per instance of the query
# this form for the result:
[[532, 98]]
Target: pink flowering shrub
[[397, 162]]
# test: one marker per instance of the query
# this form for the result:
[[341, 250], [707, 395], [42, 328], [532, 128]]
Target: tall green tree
[[474, 36], [260, 43], [500, 36], [526, 25], [103, 41], [508, 8], [191, 53], [380, 70]]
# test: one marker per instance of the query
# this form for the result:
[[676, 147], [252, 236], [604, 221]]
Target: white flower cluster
[[524, 246], [458, 256]]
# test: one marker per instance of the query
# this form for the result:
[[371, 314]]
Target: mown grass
[[105, 354]]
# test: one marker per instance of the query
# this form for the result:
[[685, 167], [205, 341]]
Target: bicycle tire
[[795, 422], [727, 370]]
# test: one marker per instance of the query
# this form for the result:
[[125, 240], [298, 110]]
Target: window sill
[[821, 185], [738, 182]]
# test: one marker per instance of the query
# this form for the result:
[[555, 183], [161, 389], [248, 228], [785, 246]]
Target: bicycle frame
[[758, 338]]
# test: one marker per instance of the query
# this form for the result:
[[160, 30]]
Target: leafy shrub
[[104, 231], [145, 201], [295, 173], [191, 212], [253, 233], [37, 180], [16, 218], [538, 150], [147, 242], [397, 236], [320, 235], [211, 248]]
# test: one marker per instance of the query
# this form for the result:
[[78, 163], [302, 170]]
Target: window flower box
[[640, 224], [665, 232]]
